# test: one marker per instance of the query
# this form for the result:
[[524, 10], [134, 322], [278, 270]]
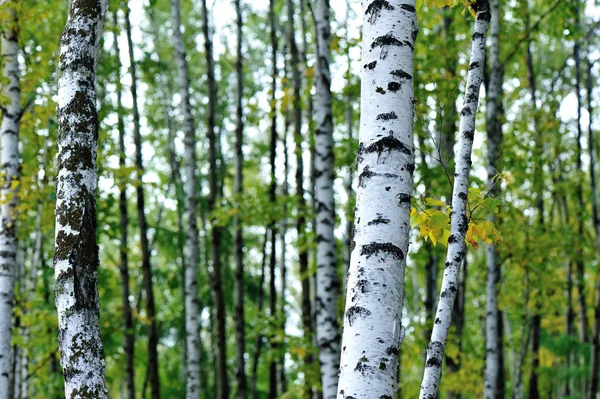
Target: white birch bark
[[372, 323], [327, 283], [192, 308], [76, 252], [10, 169], [458, 220], [494, 130]]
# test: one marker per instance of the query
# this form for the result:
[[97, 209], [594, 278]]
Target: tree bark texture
[[372, 323], [458, 220], [327, 282], [9, 183], [76, 252]]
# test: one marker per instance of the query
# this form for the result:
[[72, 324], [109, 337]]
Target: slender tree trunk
[[458, 220], [272, 186], [153, 367], [216, 231], [9, 184], [595, 349], [259, 336], [192, 254], [76, 253], [128, 336], [372, 325], [240, 332], [493, 387], [301, 205], [583, 323], [327, 286]]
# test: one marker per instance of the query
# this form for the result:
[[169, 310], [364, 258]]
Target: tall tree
[[458, 219], [216, 230], [373, 328], [128, 336], [327, 286], [493, 386], [240, 333], [76, 253], [192, 306], [301, 201], [153, 374], [9, 184]]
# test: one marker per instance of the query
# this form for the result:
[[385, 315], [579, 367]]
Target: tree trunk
[[493, 386], [192, 254], [259, 336], [128, 335], [301, 204], [458, 220], [240, 333], [373, 331], [216, 231], [595, 349], [327, 287], [9, 189], [153, 367], [76, 253]]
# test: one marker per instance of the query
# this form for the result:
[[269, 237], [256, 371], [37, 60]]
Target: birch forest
[[299, 199]]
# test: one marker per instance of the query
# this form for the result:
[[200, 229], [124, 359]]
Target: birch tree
[[372, 324], [327, 286], [192, 308], [9, 184], [458, 220], [493, 386], [76, 253]]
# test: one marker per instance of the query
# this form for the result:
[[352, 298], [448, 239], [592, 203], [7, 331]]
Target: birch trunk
[[153, 367], [192, 308], [372, 324], [9, 188], [76, 253], [128, 337], [493, 385], [216, 230], [458, 220], [327, 287], [240, 333]]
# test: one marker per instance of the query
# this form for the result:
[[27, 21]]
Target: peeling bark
[[373, 331], [76, 252]]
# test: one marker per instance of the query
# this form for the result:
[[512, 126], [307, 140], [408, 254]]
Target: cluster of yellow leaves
[[433, 220], [441, 3]]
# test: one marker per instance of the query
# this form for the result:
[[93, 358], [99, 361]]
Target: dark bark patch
[[379, 90], [387, 116], [478, 35], [474, 65], [452, 239], [469, 134], [466, 111], [408, 7], [376, 6], [394, 86], [381, 247], [371, 65], [379, 220], [388, 143], [392, 351], [355, 312], [403, 198], [399, 73], [386, 40]]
